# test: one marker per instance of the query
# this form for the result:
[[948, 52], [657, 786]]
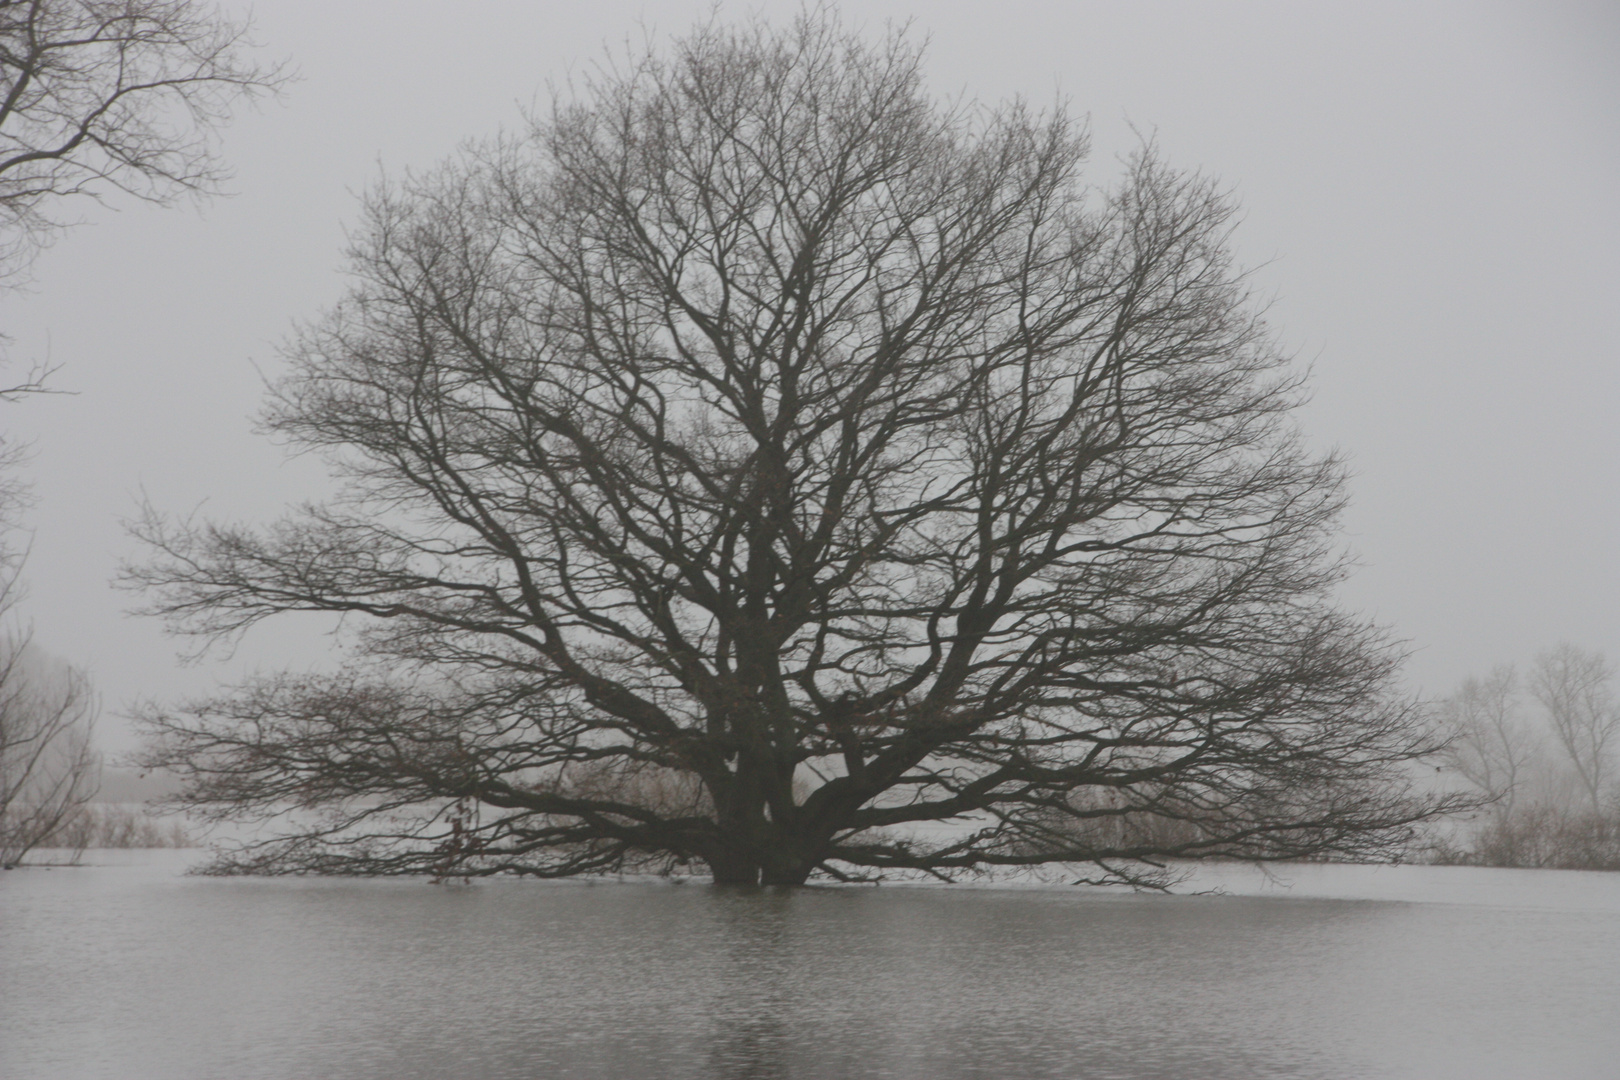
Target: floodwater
[[123, 968]]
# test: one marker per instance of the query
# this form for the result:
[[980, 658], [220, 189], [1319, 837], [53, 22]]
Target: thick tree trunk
[[772, 859], [790, 859], [785, 873], [732, 868]]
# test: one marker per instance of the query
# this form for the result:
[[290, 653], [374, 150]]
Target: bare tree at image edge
[[99, 96], [49, 769], [96, 97], [756, 466]]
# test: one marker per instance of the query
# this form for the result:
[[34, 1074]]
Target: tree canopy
[[757, 464]]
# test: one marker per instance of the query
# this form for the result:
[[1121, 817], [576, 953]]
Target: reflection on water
[[131, 971]]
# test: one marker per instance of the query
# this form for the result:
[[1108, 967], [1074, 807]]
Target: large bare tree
[[759, 465], [99, 96]]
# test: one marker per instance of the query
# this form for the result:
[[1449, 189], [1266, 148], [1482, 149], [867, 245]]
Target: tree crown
[[755, 463]]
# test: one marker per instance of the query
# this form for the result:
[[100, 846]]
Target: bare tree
[[1490, 745], [1572, 685], [48, 770], [48, 767], [759, 465], [104, 95], [96, 96]]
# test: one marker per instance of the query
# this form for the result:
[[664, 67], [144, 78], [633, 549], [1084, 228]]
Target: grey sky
[[1430, 195]]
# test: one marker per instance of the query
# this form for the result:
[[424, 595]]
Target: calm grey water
[[129, 970]]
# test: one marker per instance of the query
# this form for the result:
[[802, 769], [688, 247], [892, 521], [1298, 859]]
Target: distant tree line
[[1541, 749]]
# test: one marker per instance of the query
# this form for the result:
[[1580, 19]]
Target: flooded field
[[124, 968]]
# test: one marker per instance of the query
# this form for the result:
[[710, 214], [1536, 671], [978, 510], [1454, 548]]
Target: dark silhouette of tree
[[760, 465], [104, 95]]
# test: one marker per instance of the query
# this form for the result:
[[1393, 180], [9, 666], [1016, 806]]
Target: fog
[[1430, 204]]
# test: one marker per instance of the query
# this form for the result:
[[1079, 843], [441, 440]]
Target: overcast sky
[[1431, 194]]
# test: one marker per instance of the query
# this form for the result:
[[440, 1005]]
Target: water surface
[[129, 970]]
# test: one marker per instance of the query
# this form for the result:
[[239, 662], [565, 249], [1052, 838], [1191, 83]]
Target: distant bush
[[115, 825], [1545, 837]]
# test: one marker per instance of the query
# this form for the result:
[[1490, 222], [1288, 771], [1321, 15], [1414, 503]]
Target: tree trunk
[[732, 868], [790, 858], [785, 872], [772, 859]]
